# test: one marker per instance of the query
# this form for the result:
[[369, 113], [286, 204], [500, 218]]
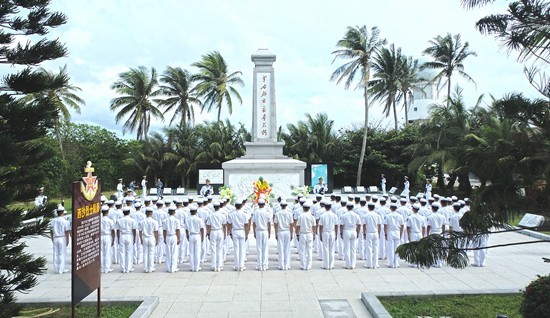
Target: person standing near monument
[[435, 225], [107, 239], [60, 230], [40, 199], [171, 233], [127, 238], [306, 227], [320, 188], [238, 226], [159, 186], [159, 214], [195, 233], [372, 224], [284, 227], [144, 187], [428, 188], [406, 185], [148, 232], [350, 226], [393, 227], [328, 227], [383, 183], [207, 189], [119, 189], [216, 232], [382, 210], [262, 232], [415, 226]]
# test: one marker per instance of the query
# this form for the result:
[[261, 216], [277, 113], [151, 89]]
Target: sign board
[[531, 220], [86, 237]]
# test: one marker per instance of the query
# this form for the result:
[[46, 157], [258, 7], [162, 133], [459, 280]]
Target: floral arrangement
[[303, 190], [261, 189], [227, 193]]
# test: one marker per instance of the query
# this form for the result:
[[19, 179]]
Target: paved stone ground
[[296, 293]]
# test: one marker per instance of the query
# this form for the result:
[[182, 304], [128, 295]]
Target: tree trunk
[[406, 109], [219, 111], [394, 114], [464, 183], [59, 139], [440, 177], [364, 143], [451, 183], [448, 92]]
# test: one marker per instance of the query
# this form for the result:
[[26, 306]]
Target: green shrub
[[536, 298]]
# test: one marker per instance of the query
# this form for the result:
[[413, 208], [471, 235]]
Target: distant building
[[422, 101]]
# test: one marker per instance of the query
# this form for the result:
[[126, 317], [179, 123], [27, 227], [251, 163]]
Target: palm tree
[[449, 54], [408, 82], [63, 97], [137, 87], [387, 73], [358, 45], [179, 98], [221, 141], [184, 145], [215, 84], [312, 140]]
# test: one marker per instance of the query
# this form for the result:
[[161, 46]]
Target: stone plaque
[[531, 220]]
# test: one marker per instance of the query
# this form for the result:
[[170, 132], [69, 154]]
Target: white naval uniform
[[217, 222], [58, 227], [405, 212], [182, 214], [372, 227], [306, 223], [339, 241], [329, 221], [193, 225], [238, 220], [284, 220], [115, 214], [107, 229], [435, 223], [480, 255], [406, 192], [160, 215], [148, 227], [203, 213], [382, 210], [262, 220], [394, 222], [361, 247], [170, 227], [126, 227], [349, 222], [138, 216]]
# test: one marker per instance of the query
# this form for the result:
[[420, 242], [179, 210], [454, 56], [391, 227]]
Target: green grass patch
[[453, 306], [114, 311]]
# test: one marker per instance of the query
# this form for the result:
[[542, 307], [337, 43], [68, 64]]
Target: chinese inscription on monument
[[264, 101]]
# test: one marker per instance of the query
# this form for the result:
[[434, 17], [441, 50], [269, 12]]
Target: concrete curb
[[377, 310], [145, 309], [535, 234]]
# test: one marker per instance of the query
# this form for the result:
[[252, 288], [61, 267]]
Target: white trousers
[[171, 253], [261, 247], [59, 254], [138, 251], [306, 245], [195, 251], [480, 255], [283, 249], [239, 246], [183, 247], [106, 241], [329, 240], [126, 252], [371, 249], [160, 249], [149, 254], [350, 247], [382, 244], [393, 243], [115, 253], [204, 248], [216, 248]]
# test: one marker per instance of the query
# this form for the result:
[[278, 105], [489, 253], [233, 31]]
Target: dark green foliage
[[536, 298]]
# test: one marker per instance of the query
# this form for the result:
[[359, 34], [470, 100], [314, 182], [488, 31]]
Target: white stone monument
[[264, 155]]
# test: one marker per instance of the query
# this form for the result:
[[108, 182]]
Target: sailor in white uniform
[[283, 223], [60, 230]]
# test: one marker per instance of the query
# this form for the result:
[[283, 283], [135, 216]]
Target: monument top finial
[[263, 56]]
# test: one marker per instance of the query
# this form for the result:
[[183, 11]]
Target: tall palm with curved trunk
[[409, 81], [137, 86], [448, 55], [358, 45], [215, 84], [176, 87], [63, 97]]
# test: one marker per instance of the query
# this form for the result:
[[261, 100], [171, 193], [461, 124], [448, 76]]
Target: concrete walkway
[[297, 293]]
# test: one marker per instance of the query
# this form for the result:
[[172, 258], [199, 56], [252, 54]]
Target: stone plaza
[[296, 293]]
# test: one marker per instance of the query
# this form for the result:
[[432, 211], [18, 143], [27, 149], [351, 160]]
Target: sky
[[106, 38]]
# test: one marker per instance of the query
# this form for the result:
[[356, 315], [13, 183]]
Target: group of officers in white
[[367, 227]]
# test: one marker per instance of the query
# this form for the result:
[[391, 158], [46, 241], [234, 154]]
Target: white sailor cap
[[137, 205], [357, 197], [457, 205], [416, 206], [104, 208], [118, 202], [172, 208], [216, 203], [362, 200], [436, 196], [350, 204], [110, 202], [462, 202], [382, 199], [393, 206], [371, 204], [302, 200], [423, 200], [308, 204], [435, 205], [403, 200], [261, 201], [185, 200], [193, 207], [318, 195], [350, 197], [284, 203], [160, 202], [148, 209], [126, 209], [393, 199], [375, 197], [414, 199], [454, 198], [147, 199], [179, 201]]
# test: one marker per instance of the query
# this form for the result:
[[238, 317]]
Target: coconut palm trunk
[[364, 142]]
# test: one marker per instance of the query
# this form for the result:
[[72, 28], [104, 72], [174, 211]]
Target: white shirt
[[138, 216], [394, 221], [350, 220], [170, 225], [148, 227], [328, 220], [160, 215], [107, 225], [194, 224], [416, 222], [238, 219], [126, 224], [454, 222], [372, 220], [216, 220], [283, 219], [59, 226], [261, 218], [306, 222], [435, 222], [383, 211]]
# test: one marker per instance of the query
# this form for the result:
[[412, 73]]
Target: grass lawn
[[118, 311], [453, 306]]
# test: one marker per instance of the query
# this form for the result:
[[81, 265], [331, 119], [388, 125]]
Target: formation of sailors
[[368, 227]]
